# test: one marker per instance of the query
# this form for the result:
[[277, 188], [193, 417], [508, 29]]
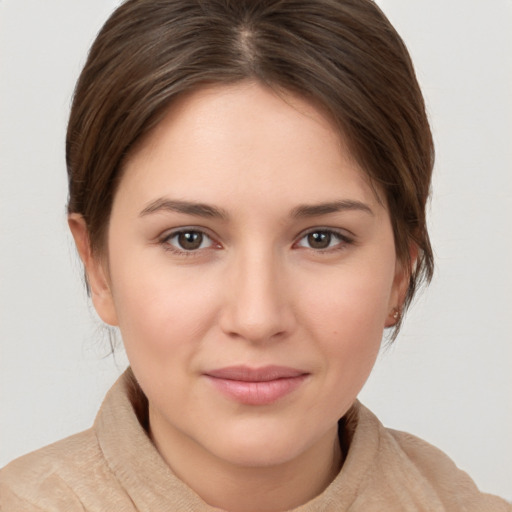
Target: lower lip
[[257, 393]]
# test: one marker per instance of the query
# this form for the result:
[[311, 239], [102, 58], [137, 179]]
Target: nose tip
[[256, 331], [257, 308]]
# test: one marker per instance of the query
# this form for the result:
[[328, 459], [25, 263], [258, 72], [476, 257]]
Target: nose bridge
[[257, 307]]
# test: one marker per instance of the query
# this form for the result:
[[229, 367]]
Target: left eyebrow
[[316, 210]]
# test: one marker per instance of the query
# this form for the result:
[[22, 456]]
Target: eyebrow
[[316, 210], [189, 208], [205, 210]]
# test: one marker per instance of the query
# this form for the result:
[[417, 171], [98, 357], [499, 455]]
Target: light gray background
[[448, 377]]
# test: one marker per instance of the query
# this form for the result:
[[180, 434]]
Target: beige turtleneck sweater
[[114, 467]]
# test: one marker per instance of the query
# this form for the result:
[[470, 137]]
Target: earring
[[396, 314]]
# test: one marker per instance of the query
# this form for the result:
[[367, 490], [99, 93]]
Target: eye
[[322, 239], [188, 240]]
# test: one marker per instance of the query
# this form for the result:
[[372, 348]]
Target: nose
[[257, 306]]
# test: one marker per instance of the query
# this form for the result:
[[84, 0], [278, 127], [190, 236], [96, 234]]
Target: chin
[[258, 455], [262, 444]]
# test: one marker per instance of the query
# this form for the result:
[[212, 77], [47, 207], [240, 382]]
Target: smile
[[256, 386]]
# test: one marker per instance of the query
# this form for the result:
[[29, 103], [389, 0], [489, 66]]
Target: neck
[[236, 488]]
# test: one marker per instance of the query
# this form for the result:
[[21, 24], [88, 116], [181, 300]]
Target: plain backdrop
[[447, 378]]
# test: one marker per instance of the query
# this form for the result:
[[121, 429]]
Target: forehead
[[245, 137]]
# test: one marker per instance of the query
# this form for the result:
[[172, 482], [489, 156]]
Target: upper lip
[[262, 374]]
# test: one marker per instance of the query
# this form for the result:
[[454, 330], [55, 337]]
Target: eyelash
[[342, 241], [165, 241]]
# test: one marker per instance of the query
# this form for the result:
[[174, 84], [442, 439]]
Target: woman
[[247, 189]]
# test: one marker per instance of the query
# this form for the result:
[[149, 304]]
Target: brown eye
[[323, 239], [319, 239], [188, 240]]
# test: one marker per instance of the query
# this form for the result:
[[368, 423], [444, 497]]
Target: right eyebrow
[[187, 207]]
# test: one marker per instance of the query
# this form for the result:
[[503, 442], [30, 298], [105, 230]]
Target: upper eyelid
[[168, 233], [344, 233]]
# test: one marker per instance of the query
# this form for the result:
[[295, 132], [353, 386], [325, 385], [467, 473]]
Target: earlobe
[[403, 273], [95, 270]]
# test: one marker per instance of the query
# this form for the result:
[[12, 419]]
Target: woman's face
[[251, 270]]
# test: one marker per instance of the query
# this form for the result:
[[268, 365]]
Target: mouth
[[256, 386]]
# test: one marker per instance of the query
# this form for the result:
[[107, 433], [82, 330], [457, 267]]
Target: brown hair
[[343, 55]]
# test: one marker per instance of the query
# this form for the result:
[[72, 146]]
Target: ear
[[95, 270], [403, 272]]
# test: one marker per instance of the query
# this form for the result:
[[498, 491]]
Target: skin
[[257, 291]]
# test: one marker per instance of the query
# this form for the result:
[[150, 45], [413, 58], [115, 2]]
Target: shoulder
[[86, 471], [49, 478], [454, 487], [394, 470]]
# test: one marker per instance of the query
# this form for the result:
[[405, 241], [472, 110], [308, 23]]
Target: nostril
[[256, 325]]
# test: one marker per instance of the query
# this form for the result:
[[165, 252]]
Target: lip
[[256, 386]]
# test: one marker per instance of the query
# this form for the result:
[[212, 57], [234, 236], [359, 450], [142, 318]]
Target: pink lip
[[256, 386]]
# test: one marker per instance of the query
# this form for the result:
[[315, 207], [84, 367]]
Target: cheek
[[161, 311], [351, 304], [346, 317]]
